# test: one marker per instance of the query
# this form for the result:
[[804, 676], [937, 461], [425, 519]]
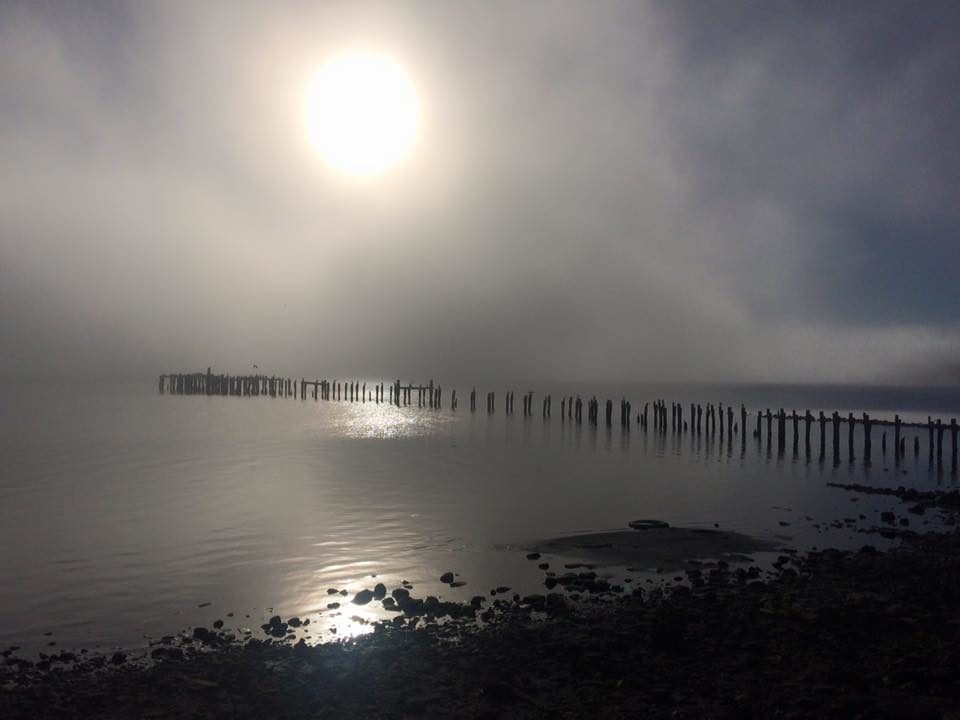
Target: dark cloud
[[614, 191]]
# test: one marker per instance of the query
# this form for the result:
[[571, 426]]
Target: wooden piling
[[851, 423], [867, 444], [836, 437], [897, 452], [939, 443]]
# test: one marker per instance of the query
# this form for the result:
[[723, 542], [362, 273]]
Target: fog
[[665, 191]]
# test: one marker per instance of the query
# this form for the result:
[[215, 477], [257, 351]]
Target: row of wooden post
[[708, 418], [209, 383]]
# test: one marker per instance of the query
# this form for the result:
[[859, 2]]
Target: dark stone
[[294, 622], [379, 591], [363, 597], [118, 658], [447, 578], [533, 556]]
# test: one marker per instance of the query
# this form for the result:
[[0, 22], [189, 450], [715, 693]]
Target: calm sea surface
[[122, 511]]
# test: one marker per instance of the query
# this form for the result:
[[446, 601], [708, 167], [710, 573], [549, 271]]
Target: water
[[122, 512]]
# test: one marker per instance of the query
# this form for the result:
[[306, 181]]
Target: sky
[[612, 191]]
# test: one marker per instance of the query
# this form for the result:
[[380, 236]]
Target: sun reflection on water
[[380, 421]]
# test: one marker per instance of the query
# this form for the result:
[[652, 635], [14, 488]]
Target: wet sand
[[656, 547]]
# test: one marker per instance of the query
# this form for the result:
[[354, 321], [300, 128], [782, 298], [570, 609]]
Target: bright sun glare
[[362, 113]]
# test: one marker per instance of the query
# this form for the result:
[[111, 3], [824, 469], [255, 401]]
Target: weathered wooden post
[[953, 447], [720, 413], [850, 425], [836, 437], [807, 419], [867, 443], [897, 452], [781, 430], [939, 443]]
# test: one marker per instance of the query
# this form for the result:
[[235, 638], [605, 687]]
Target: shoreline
[[831, 633]]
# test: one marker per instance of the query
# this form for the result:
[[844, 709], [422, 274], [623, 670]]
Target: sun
[[362, 113]]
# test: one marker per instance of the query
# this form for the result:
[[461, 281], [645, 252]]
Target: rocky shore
[[829, 634]]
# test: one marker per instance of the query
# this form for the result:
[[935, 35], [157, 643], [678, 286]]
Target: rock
[[332, 591], [400, 594], [363, 597], [457, 583], [447, 578], [533, 556], [647, 524], [379, 591], [202, 634], [389, 603], [218, 624], [502, 589], [294, 622], [887, 517], [333, 605], [118, 658], [275, 621], [477, 600]]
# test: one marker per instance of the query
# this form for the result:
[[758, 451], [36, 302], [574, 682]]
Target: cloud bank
[[610, 191]]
